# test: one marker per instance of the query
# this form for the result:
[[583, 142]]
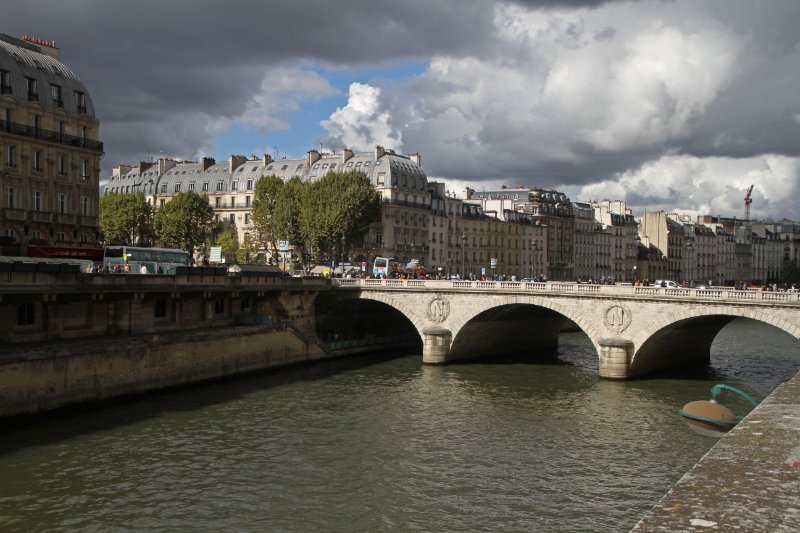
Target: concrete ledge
[[749, 480]]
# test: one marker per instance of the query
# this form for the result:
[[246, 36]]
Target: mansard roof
[[23, 61], [146, 177]]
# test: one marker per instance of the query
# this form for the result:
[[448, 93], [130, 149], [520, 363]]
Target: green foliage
[[247, 252], [184, 221], [126, 219], [340, 205], [315, 213], [265, 204], [287, 211], [791, 274], [230, 246]]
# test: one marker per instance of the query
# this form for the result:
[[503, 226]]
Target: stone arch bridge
[[635, 330]]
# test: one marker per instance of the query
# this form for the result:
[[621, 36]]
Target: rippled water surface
[[374, 443]]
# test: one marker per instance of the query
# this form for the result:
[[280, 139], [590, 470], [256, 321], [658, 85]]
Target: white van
[[666, 283]]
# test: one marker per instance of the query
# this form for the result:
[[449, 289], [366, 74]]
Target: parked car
[[667, 283]]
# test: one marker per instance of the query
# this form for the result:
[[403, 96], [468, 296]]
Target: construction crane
[[747, 201], [748, 235]]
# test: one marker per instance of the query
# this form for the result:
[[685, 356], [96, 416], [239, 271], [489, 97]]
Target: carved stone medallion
[[438, 309], [617, 318]]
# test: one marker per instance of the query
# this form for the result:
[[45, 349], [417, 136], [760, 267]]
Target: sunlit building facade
[[50, 159]]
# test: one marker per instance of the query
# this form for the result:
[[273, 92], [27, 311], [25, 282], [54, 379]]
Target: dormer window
[[5, 82], [55, 91], [33, 89], [80, 102]]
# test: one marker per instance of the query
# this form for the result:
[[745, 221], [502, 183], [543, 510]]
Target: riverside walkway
[[749, 481]]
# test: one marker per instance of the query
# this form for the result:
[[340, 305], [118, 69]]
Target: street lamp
[[344, 253], [333, 260], [533, 256], [463, 255]]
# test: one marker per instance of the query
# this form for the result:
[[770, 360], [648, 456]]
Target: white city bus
[[131, 259]]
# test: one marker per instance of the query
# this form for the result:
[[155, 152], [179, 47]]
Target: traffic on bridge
[[624, 290]]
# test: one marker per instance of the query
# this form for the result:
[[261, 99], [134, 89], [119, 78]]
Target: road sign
[[216, 254]]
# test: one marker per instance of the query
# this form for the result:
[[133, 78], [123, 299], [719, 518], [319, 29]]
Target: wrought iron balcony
[[24, 130]]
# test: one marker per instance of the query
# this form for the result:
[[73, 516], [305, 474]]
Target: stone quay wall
[[68, 337], [40, 377]]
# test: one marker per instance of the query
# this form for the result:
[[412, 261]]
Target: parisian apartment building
[[513, 232], [50, 167]]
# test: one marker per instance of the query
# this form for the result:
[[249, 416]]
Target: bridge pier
[[436, 342], [615, 358]]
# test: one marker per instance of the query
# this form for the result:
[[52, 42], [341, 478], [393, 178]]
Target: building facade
[[50, 170]]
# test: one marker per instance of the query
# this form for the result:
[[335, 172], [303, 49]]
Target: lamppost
[[463, 255], [333, 260], [533, 256], [344, 253]]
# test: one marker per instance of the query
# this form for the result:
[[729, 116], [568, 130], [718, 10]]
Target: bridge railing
[[722, 293]]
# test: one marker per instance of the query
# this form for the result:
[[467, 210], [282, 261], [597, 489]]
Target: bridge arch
[[462, 334], [685, 336]]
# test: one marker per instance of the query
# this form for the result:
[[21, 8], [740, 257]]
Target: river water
[[377, 443]]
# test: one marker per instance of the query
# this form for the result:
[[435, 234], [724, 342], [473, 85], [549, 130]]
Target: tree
[[247, 252], [126, 219], [265, 205], [230, 246], [339, 205], [287, 213], [791, 274], [184, 221]]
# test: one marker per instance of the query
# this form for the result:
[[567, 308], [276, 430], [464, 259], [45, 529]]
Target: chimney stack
[[235, 161], [207, 162], [45, 47], [313, 157], [347, 153]]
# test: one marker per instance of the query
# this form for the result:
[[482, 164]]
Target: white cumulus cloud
[[362, 124]]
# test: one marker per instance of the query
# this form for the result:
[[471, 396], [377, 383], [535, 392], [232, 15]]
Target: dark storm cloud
[[548, 92], [194, 62]]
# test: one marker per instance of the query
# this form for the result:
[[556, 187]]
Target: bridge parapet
[[722, 293]]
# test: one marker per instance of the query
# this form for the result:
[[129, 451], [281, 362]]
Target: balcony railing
[[23, 130], [64, 218], [41, 216], [10, 213]]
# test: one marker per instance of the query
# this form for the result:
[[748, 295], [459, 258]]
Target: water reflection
[[378, 443]]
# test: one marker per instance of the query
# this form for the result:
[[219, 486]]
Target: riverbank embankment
[[749, 480], [40, 377]]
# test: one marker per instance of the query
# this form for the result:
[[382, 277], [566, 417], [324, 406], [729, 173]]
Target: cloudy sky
[[675, 105]]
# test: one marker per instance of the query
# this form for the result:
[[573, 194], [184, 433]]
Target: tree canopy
[[266, 198], [339, 205], [184, 221], [315, 213], [126, 219]]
